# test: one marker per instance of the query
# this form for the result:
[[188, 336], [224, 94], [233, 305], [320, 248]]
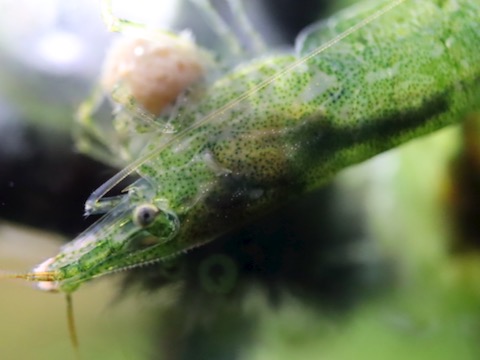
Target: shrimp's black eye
[[144, 215]]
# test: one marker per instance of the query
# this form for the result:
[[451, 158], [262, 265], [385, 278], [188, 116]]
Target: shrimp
[[277, 127]]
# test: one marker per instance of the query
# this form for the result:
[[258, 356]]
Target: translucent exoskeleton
[[216, 150]]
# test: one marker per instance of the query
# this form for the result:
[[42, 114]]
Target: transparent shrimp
[[277, 127]]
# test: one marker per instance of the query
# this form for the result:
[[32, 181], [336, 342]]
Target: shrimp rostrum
[[277, 127]]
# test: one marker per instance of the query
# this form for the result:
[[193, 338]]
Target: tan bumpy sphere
[[154, 72]]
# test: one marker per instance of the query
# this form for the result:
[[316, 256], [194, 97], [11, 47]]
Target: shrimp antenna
[[48, 276], [116, 179], [219, 25], [72, 329]]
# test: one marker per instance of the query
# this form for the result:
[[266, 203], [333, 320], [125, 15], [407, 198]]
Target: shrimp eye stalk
[[144, 215]]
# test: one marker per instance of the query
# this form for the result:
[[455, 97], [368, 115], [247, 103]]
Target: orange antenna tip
[[30, 276]]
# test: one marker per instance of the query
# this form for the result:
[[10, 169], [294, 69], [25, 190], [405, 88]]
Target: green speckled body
[[408, 73], [243, 149]]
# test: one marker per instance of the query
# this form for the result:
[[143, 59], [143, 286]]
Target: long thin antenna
[[72, 330], [239, 10], [219, 25], [40, 276]]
